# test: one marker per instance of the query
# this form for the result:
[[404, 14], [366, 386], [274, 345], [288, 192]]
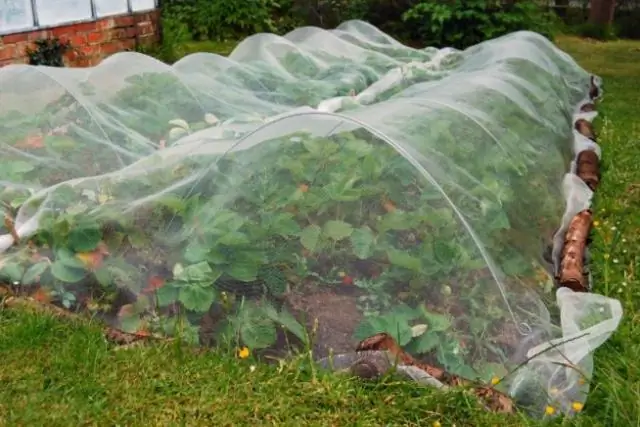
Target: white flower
[[252, 368]]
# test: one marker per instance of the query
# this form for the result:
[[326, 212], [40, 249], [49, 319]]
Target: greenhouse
[[313, 190]]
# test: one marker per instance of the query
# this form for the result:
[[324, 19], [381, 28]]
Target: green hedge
[[458, 23]]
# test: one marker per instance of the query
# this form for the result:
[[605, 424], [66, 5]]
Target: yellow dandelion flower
[[549, 410], [577, 406], [437, 424], [596, 223], [243, 353], [495, 380]]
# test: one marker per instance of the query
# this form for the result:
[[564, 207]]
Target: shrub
[[218, 20], [461, 23], [627, 27]]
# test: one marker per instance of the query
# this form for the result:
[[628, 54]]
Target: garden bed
[[199, 205]]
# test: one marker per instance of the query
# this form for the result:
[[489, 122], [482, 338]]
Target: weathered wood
[[588, 108], [571, 274], [492, 398], [585, 128], [588, 168]]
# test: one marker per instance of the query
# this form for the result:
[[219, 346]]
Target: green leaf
[[284, 224], [33, 273], [17, 167], [362, 241], [337, 230], [195, 252], [66, 257], [424, 343], [173, 202], [59, 142], [200, 273], [103, 276], [234, 238], [196, 298], [130, 324], [359, 147], [437, 322], [396, 220], [404, 260], [371, 168], [291, 324], [244, 271], [310, 236], [275, 280], [84, 239], [258, 333], [13, 271], [167, 294], [444, 252], [67, 274]]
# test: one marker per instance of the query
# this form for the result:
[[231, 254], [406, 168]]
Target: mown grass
[[62, 373]]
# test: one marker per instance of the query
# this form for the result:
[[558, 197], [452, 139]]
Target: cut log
[[588, 108], [492, 398], [585, 128], [588, 168], [571, 273]]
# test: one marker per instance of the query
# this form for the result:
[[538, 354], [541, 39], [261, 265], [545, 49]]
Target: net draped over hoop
[[327, 180]]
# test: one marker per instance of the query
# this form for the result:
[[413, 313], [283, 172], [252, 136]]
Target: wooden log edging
[[573, 270]]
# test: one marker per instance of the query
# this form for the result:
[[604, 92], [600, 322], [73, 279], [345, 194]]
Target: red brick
[[117, 34], [89, 50], [72, 55], [129, 44], [15, 38], [95, 37], [111, 48], [131, 32], [7, 52], [37, 35], [143, 31], [63, 33], [105, 24], [84, 27], [125, 21], [21, 48], [78, 40], [81, 61]]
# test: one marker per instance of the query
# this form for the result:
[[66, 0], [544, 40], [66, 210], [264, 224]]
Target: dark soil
[[336, 313]]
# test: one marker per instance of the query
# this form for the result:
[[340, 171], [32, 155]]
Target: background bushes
[[458, 23]]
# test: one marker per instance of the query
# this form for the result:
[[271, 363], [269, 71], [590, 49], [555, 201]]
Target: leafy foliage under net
[[312, 189]]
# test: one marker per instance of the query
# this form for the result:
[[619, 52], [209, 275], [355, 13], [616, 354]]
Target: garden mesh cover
[[335, 181]]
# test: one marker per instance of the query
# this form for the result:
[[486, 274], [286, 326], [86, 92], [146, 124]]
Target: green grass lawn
[[63, 373]]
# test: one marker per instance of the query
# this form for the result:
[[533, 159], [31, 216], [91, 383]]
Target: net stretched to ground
[[310, 190]]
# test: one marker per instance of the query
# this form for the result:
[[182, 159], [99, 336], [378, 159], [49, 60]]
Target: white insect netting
[[312, 189]]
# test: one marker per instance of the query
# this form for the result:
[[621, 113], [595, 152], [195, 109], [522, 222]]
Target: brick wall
[[91, 41]]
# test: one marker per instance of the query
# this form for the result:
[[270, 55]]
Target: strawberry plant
[[197, 203]]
